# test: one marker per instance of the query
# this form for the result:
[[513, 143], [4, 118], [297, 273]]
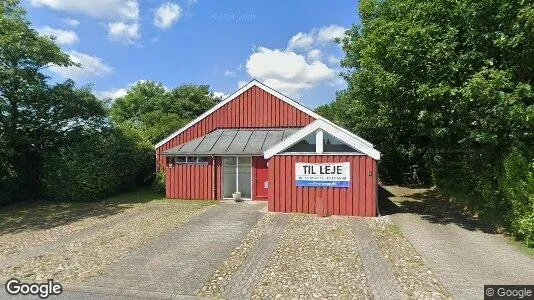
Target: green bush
[[518, 188], [97, 165], [158, 185]]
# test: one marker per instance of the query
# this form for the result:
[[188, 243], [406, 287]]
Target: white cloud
[[329, 33], [111, 94], [334, 60], [63, 37], [126, 33], [220, 94], [71, 22], [229, 73], [106, 9], [241, 83], [90, 66], [167, 14], [315, 54], [300, 41], [287, 71], [316, 37]]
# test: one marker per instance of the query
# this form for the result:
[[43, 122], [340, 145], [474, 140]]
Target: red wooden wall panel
[[254, 108], [194, 181], [359, 199]]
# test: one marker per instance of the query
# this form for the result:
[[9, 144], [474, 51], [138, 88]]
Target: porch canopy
[[248, 141]]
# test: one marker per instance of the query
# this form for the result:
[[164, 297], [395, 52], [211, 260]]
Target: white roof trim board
[[349, 138], [270, 91]]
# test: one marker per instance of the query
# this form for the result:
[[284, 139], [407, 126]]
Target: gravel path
[[461, 256], [19, 242], [180, 261], [88, 253], [465, 260], [315, 258]]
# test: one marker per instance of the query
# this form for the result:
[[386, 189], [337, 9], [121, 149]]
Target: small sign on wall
[[323, 175]]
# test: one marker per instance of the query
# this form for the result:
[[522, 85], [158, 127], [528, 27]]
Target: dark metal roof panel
[[255, 143], [240, 141], [209, 141], [272, 138], [233, 142], [227, 136]]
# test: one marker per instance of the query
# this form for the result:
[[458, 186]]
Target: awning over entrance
[[233, 142]]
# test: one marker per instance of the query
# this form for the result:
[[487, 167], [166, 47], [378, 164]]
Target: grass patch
[[393, 229], [520, 246]]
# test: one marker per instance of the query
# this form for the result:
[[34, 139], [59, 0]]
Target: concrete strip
[[379, 273], [248, 275], [180, 261]]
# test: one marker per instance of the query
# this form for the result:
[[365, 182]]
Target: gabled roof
[[269, 90], [347, 137], [233, 142]]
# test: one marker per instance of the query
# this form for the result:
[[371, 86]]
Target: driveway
[[169, 249], [464, 253]]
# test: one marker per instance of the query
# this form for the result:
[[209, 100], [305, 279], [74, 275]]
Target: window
[[305, 145], [170, 161], [203, 159], [187, 160], [333, 144]]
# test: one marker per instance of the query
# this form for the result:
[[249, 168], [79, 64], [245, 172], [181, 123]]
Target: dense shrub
[[518, 188], [98, 165], [158, 185]]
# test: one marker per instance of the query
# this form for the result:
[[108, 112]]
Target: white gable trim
[[349, 138], [269, 90]]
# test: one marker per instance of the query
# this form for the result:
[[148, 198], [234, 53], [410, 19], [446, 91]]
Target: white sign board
[[322, 175]]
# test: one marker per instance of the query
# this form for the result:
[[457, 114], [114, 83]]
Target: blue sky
[[285, 44]]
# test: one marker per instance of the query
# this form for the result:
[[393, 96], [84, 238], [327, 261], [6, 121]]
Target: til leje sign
[[322, 175]]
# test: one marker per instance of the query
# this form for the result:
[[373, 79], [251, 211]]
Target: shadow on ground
[[430, 205], [34, 215]]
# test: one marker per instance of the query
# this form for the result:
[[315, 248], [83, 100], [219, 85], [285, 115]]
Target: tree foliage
[[39, 121], [156, 112], [445, 90], [97, 165]]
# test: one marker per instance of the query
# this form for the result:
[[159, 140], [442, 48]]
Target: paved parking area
[[240, 251], [181, 260]]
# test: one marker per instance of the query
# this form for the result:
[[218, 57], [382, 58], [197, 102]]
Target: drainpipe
[[213, 174]]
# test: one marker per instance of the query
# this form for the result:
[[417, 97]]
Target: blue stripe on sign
[[312, 183]]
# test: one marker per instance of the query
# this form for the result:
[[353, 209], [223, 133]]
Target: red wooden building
[[258, 144]]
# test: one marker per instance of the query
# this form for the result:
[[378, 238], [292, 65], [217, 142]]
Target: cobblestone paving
[[88, 255], [379, 273], [413, 275], [14, 243], [315, 258], [239, 274]]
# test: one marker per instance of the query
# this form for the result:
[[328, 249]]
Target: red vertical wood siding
[[359, 199], [254, 108], [194, 181]]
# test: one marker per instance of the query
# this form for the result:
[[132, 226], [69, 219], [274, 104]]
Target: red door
[[261, 178]]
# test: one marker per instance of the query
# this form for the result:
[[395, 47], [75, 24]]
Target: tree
[[445, 90], [156, 112], [34, 117]]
